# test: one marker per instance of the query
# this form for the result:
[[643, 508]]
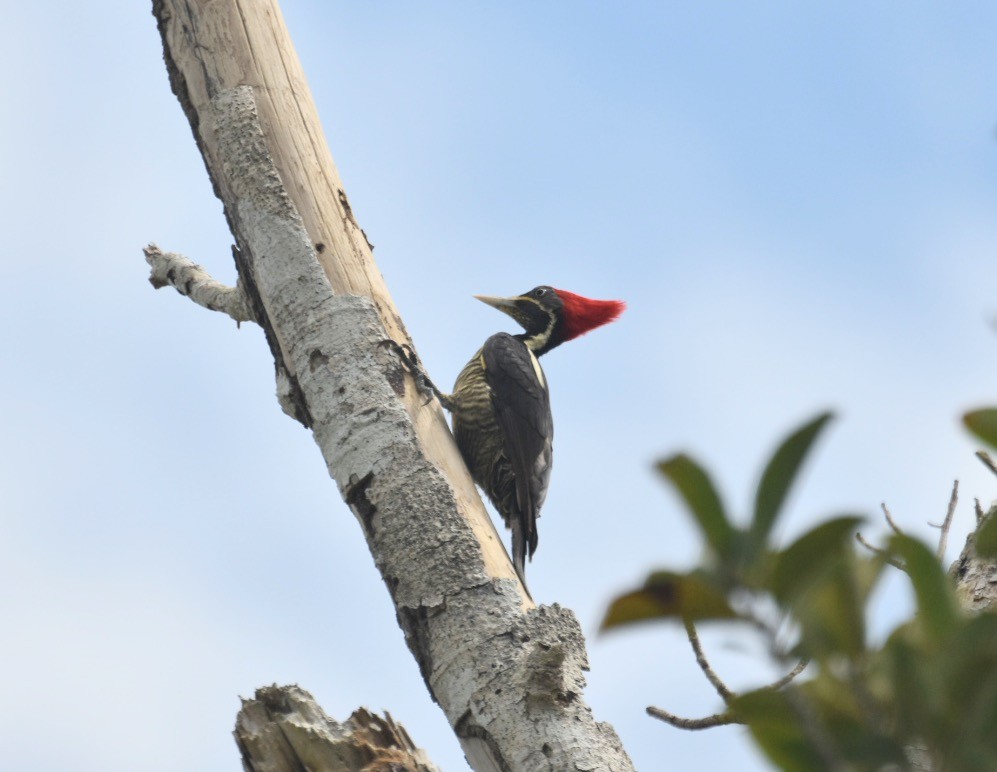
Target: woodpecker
[[500, 405]]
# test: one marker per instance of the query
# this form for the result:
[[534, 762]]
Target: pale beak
[[502, 304]]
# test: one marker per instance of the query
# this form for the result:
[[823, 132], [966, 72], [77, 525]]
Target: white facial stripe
[[537, 342], [537, 369]]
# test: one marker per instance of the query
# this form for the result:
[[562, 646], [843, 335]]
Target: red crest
[[583, 314]]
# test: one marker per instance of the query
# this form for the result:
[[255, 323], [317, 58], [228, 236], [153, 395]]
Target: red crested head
[[579, 314], [552, 316]]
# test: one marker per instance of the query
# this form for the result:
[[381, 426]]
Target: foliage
[[983, 423], [932, 684]]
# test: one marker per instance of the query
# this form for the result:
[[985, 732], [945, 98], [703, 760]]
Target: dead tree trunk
[[283, 729], [508, 675]]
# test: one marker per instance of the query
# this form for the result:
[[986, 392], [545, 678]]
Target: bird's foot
[[404, 352], [423, 384]]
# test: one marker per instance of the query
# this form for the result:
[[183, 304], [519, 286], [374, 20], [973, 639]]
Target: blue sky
[[796, 202]]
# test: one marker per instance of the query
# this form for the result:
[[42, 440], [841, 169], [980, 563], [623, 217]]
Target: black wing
[[522, 410]]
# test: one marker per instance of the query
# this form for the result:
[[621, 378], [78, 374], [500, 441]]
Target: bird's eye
[[540, 292]]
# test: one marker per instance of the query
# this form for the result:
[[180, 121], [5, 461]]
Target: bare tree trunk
[[508, 675]]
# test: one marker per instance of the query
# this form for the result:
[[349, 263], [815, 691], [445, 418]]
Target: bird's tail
[[519, 552]]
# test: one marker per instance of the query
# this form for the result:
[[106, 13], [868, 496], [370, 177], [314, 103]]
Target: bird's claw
[[404, 352], [411, 362]]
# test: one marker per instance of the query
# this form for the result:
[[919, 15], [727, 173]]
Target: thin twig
[[727, 716], [800, 667], [943, 538], [717, 719], [725, 693], [987, 461], [980, 514], [889, 519], [882, 553]]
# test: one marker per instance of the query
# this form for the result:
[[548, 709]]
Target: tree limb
[[188, 278]]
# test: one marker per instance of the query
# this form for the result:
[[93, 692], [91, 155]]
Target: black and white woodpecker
[[500, 404]]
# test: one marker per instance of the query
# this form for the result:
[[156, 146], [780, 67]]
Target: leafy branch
[[862, 705]]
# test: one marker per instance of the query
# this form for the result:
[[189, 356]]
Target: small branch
[[800, 667], [987, 461], [717, 719], [943, 538], [882, 553], [191, 280], [980, 514], [726, 694], [876, 550], [704, 664], [889, 519]]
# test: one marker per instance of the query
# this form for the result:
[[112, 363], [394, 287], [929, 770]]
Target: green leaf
[[779, 475], [808, 558], [986, 538], [946, 695], [937, 607], [695, 487], [844, 703], [983, 423], [816, 580], [634, 606], [775, 727], [917, 694], [970, 742], [830, 615], [821, 718], [867, 570], [666, 595], [967, 671]]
